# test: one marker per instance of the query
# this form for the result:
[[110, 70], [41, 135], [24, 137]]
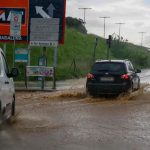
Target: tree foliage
[[77, 24], [137, 54]]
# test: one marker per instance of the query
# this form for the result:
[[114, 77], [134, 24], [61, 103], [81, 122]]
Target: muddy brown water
[[71, 120], [33, 108]]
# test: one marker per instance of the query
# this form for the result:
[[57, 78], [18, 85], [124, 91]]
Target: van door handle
[[6, 82]]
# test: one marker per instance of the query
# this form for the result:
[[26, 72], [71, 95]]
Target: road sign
[[15, 24], [21, 55], [37, 9], [44, 31], [39, 71], [6, 6], [50, 9]]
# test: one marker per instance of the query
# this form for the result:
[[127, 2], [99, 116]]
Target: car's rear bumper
[[102, 88]]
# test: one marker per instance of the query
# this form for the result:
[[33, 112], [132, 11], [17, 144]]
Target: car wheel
[[130, 90], [138, 87], [88, 93]]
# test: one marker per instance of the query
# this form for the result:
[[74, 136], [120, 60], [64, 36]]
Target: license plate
[[105, 79]]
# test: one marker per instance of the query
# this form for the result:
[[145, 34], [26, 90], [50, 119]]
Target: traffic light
[[109, 40]]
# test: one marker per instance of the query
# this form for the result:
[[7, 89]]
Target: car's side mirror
[[138, 71], [14, 73]]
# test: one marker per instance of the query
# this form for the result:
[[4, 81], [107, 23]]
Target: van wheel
[[13, 107]]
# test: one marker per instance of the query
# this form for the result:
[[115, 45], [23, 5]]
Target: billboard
[[38, 9], [6, 7]]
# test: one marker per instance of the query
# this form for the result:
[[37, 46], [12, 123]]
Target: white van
[[7, 91]]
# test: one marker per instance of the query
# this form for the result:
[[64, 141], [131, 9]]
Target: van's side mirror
[[14, 73], [138, 71]]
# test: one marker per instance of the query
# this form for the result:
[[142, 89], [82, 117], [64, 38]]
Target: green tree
[[76, 24]]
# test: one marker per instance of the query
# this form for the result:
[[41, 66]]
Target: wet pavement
[[59, 121], [69, 120]]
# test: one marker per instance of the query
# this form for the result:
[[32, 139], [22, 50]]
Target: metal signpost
[[44, 32], [42, 61], [44, 21], [15, 28], [21, 56], [47, 26]]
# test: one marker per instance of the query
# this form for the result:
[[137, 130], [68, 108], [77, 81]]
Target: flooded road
[[70, 120]]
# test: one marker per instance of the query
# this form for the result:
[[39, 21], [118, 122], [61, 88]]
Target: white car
[[7, 91]]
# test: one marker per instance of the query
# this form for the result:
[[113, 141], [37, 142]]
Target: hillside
[[75, 57]]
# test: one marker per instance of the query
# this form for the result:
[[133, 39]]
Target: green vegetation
[[140, 56], [75, 57], [76, 24]]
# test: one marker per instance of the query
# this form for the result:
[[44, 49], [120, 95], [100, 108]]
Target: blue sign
[[21, 55], [49, 9]]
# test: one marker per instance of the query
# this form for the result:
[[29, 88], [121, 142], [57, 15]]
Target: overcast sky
[[134, 13]]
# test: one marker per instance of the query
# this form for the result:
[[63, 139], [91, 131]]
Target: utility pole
[[104, 24], [120, 23], [84, 9], [142, 33]]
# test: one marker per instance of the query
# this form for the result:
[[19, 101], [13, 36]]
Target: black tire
[[13, 107], [138, 85], [130, 90], [87, 92], [93, 95]]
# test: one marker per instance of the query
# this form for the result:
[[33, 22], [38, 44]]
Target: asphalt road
[[70, 121]]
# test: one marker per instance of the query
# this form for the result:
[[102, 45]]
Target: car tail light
[[125, 76], [90, 76]]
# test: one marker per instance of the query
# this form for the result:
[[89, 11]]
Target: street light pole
[[84, 9], [104, 24], [120, 23], [142, 37]]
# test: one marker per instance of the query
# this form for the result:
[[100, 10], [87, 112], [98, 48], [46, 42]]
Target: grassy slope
[[78, 47]]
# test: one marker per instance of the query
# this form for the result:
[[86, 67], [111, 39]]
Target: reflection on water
[[36, 111]]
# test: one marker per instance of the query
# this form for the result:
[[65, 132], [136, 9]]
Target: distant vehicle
[[112, 77], [7, 92]]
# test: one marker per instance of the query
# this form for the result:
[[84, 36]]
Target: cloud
[[134, 13]]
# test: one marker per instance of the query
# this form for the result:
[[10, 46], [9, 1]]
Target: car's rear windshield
[[115, 67]]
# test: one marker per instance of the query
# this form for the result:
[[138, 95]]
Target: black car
[[112, 77]]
